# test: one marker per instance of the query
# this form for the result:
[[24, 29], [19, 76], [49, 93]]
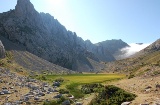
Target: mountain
[[44, 36], [108, 50]]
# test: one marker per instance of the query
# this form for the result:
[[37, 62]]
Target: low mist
[[128, 51], [133, 49]]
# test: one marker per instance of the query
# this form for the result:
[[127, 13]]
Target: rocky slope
[[17, 58], [151, 48]]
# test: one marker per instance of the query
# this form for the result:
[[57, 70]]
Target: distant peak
[[139, 43]]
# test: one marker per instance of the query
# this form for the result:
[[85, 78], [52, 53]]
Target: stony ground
[[18, 89], [145, 88]]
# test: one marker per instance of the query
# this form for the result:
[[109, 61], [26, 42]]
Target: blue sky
[[132, 21]]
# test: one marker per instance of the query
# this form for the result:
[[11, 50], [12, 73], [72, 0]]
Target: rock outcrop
[[2, 50]]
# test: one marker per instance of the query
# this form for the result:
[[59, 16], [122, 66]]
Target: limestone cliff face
[[2, 50]]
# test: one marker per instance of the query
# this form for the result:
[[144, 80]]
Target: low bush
[[112, 95], [91, 88], [63, 91], [59, 80], [131, 76]]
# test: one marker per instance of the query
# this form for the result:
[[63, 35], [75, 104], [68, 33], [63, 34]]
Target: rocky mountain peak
[[24, 8]]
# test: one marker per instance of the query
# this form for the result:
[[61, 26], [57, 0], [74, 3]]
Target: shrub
[[90, 88], [56, 102], [156, 72], [63, 91], [112, 95], [131, 76], [53, 102], [59, 80]]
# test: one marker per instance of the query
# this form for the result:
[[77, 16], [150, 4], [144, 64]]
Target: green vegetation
[[5, 62], [156, 72], [63, 91], [80, 84], [74, 90], [91, 88], [112, 95], [131, 76], [57, 102], [9, 55], [85, 78]]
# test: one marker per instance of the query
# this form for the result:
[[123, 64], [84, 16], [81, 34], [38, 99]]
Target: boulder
[[66, 102], [126, 103], [2, 50]]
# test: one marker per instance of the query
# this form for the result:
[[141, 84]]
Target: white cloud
[[128, 51]]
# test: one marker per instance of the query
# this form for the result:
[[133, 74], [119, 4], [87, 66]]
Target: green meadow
[[86, 78]]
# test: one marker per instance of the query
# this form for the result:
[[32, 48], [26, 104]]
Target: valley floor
[[146, 89]]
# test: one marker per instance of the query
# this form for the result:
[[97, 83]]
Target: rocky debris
[[148, 88], [78, 103], [57, 84], [22, 89], [2, 50], [58, 96], [66, 102], [158, 86], [126, 103]]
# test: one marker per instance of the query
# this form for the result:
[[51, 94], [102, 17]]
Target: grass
[[73, 82], [86, 78]]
